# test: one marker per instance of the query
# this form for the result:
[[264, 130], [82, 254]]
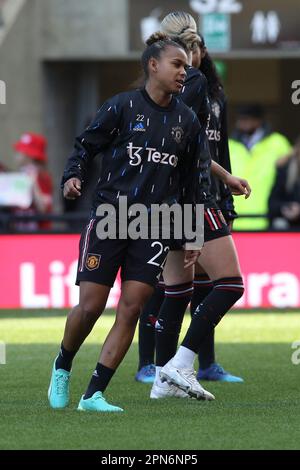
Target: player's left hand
[[190, 257], [238, 186]]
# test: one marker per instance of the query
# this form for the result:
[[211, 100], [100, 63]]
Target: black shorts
[[100, 260], [215, 226]]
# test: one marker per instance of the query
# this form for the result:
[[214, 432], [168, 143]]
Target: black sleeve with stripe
[[226, 203], [98, 136], [188, 175]]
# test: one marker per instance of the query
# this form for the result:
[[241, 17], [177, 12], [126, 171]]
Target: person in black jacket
[[284, 201]]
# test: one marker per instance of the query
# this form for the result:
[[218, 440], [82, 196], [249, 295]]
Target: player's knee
[[90, 313], [129, 310]]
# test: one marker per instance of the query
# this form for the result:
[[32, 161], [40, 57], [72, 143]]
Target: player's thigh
[[174, 271], [219, 258]]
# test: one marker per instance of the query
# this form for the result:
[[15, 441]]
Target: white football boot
[[164, 390], [185, 380]]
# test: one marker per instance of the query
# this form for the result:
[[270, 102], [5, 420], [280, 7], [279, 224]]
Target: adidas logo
[[139, 127], [158, 327]]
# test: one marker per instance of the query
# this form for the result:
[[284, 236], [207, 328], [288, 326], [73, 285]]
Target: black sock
[[209, 313], [147, 326], [99, 381], [169, 323], [65, 359], [202, 287]]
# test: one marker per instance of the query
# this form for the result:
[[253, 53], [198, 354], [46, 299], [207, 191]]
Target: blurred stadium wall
[[60, 59]]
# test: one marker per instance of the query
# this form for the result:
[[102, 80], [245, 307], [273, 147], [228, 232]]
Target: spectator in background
[[31, 159], [284, 202], [254, 150]]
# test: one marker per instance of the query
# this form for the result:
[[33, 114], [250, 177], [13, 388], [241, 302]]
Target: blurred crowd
[[261, 155]]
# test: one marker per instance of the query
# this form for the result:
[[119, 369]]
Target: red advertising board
[[38, 271]]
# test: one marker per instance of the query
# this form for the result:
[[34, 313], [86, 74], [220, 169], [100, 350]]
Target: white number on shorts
[[161, 251]]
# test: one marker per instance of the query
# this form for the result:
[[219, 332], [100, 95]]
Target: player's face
[[198, 55], [171, 69]]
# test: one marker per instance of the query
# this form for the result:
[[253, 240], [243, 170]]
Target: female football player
[[218, 259], [218, 142], [146, 160]]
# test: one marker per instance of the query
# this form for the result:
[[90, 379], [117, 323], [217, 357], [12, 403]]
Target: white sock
[[184, 358]]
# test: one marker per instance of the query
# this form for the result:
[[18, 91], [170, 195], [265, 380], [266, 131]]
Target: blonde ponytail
[[181, 25]]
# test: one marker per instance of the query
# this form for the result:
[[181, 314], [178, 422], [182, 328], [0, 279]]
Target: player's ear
[[153, 65]]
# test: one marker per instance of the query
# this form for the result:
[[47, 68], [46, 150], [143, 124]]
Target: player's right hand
[[72, 189], [191, 257]]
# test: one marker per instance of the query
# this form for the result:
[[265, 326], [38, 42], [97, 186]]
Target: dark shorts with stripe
[[215, 225], [100, 260]]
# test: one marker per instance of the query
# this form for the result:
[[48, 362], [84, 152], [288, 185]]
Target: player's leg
[[133, 297], [139, 276], [202, 287], [178, 292], [79, 324], [209, 369], [99, 261], [81, 320], [146, 368], [219, 259]]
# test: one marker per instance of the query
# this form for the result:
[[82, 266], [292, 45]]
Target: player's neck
[[157, 95]]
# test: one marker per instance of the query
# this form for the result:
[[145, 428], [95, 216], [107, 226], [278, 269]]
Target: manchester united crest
[[177, 134], [92, 261]]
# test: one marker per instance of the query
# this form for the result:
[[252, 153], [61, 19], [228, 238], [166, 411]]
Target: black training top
[[217, 134], [149, 152], [194, 94]]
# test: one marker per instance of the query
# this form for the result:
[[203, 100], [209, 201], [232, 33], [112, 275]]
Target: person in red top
[[32, 159]]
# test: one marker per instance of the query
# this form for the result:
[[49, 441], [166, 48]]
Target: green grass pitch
[[262, 413]]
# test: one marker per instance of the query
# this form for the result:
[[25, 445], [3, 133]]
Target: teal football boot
[[58, 392], [97, 403]]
